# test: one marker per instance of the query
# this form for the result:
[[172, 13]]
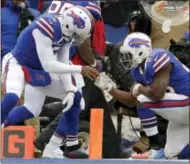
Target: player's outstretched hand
[[104, 82], [90, 72]]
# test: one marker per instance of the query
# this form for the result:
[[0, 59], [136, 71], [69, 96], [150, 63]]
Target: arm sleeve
[[63, 56], [47, 58]]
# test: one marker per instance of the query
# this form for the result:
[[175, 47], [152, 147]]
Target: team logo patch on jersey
[[39, 76], [136, 43], [77, 20]]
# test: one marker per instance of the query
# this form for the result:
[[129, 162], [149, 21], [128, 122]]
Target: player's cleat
[[52, 153], [139, 156], [156, 154], [151, 154], [75, 152]]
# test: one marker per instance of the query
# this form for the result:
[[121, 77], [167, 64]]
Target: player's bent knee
[[172, 154], [33, 109], [185, 153]]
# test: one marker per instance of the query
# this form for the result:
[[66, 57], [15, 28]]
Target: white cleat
[[49, 152], [151, 154], [156, 154]]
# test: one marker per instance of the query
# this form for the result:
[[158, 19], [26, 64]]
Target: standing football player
[[162, 87], [71, 142], [41, 61]]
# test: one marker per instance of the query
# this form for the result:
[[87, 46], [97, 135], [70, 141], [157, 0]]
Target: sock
[[72, 140], [18, 114], [185, 153], [7, 104], [56, 141], [72, 119], [148, 120]]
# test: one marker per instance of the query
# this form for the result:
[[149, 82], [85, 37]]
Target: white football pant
[[34, 96], [178, 117]]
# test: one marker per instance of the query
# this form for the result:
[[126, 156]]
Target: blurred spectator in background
[[138, 22], [15, 16], [2, 3], [39, 5], [115, 14]]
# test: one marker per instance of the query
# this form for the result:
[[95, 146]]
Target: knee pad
[[17, 115], [35, 110], [7, 104], [11, 98]]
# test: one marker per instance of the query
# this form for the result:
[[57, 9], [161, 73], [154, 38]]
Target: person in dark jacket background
[[15, 16]]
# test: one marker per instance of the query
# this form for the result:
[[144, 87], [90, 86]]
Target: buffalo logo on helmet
[[137, 43], [77, 20]]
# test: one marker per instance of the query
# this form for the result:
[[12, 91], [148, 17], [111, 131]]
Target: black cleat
[[75, 152]]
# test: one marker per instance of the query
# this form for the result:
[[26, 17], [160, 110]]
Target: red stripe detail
[[58, 136], [4, 79], [161, 62], [26, 74], [41, 5], [167, 104], [46, 26], [76, 18]]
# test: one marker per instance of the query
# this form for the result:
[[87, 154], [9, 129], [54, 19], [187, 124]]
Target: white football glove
[[82, 104], [104, 82], [108, 96], [68, 101], [135, 89]]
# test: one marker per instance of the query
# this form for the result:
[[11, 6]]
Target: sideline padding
[[96, 133], [17, 142]]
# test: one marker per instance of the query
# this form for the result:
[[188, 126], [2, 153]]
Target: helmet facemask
[[136, 48], [139, 56], [125, 60], [133, 59]]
